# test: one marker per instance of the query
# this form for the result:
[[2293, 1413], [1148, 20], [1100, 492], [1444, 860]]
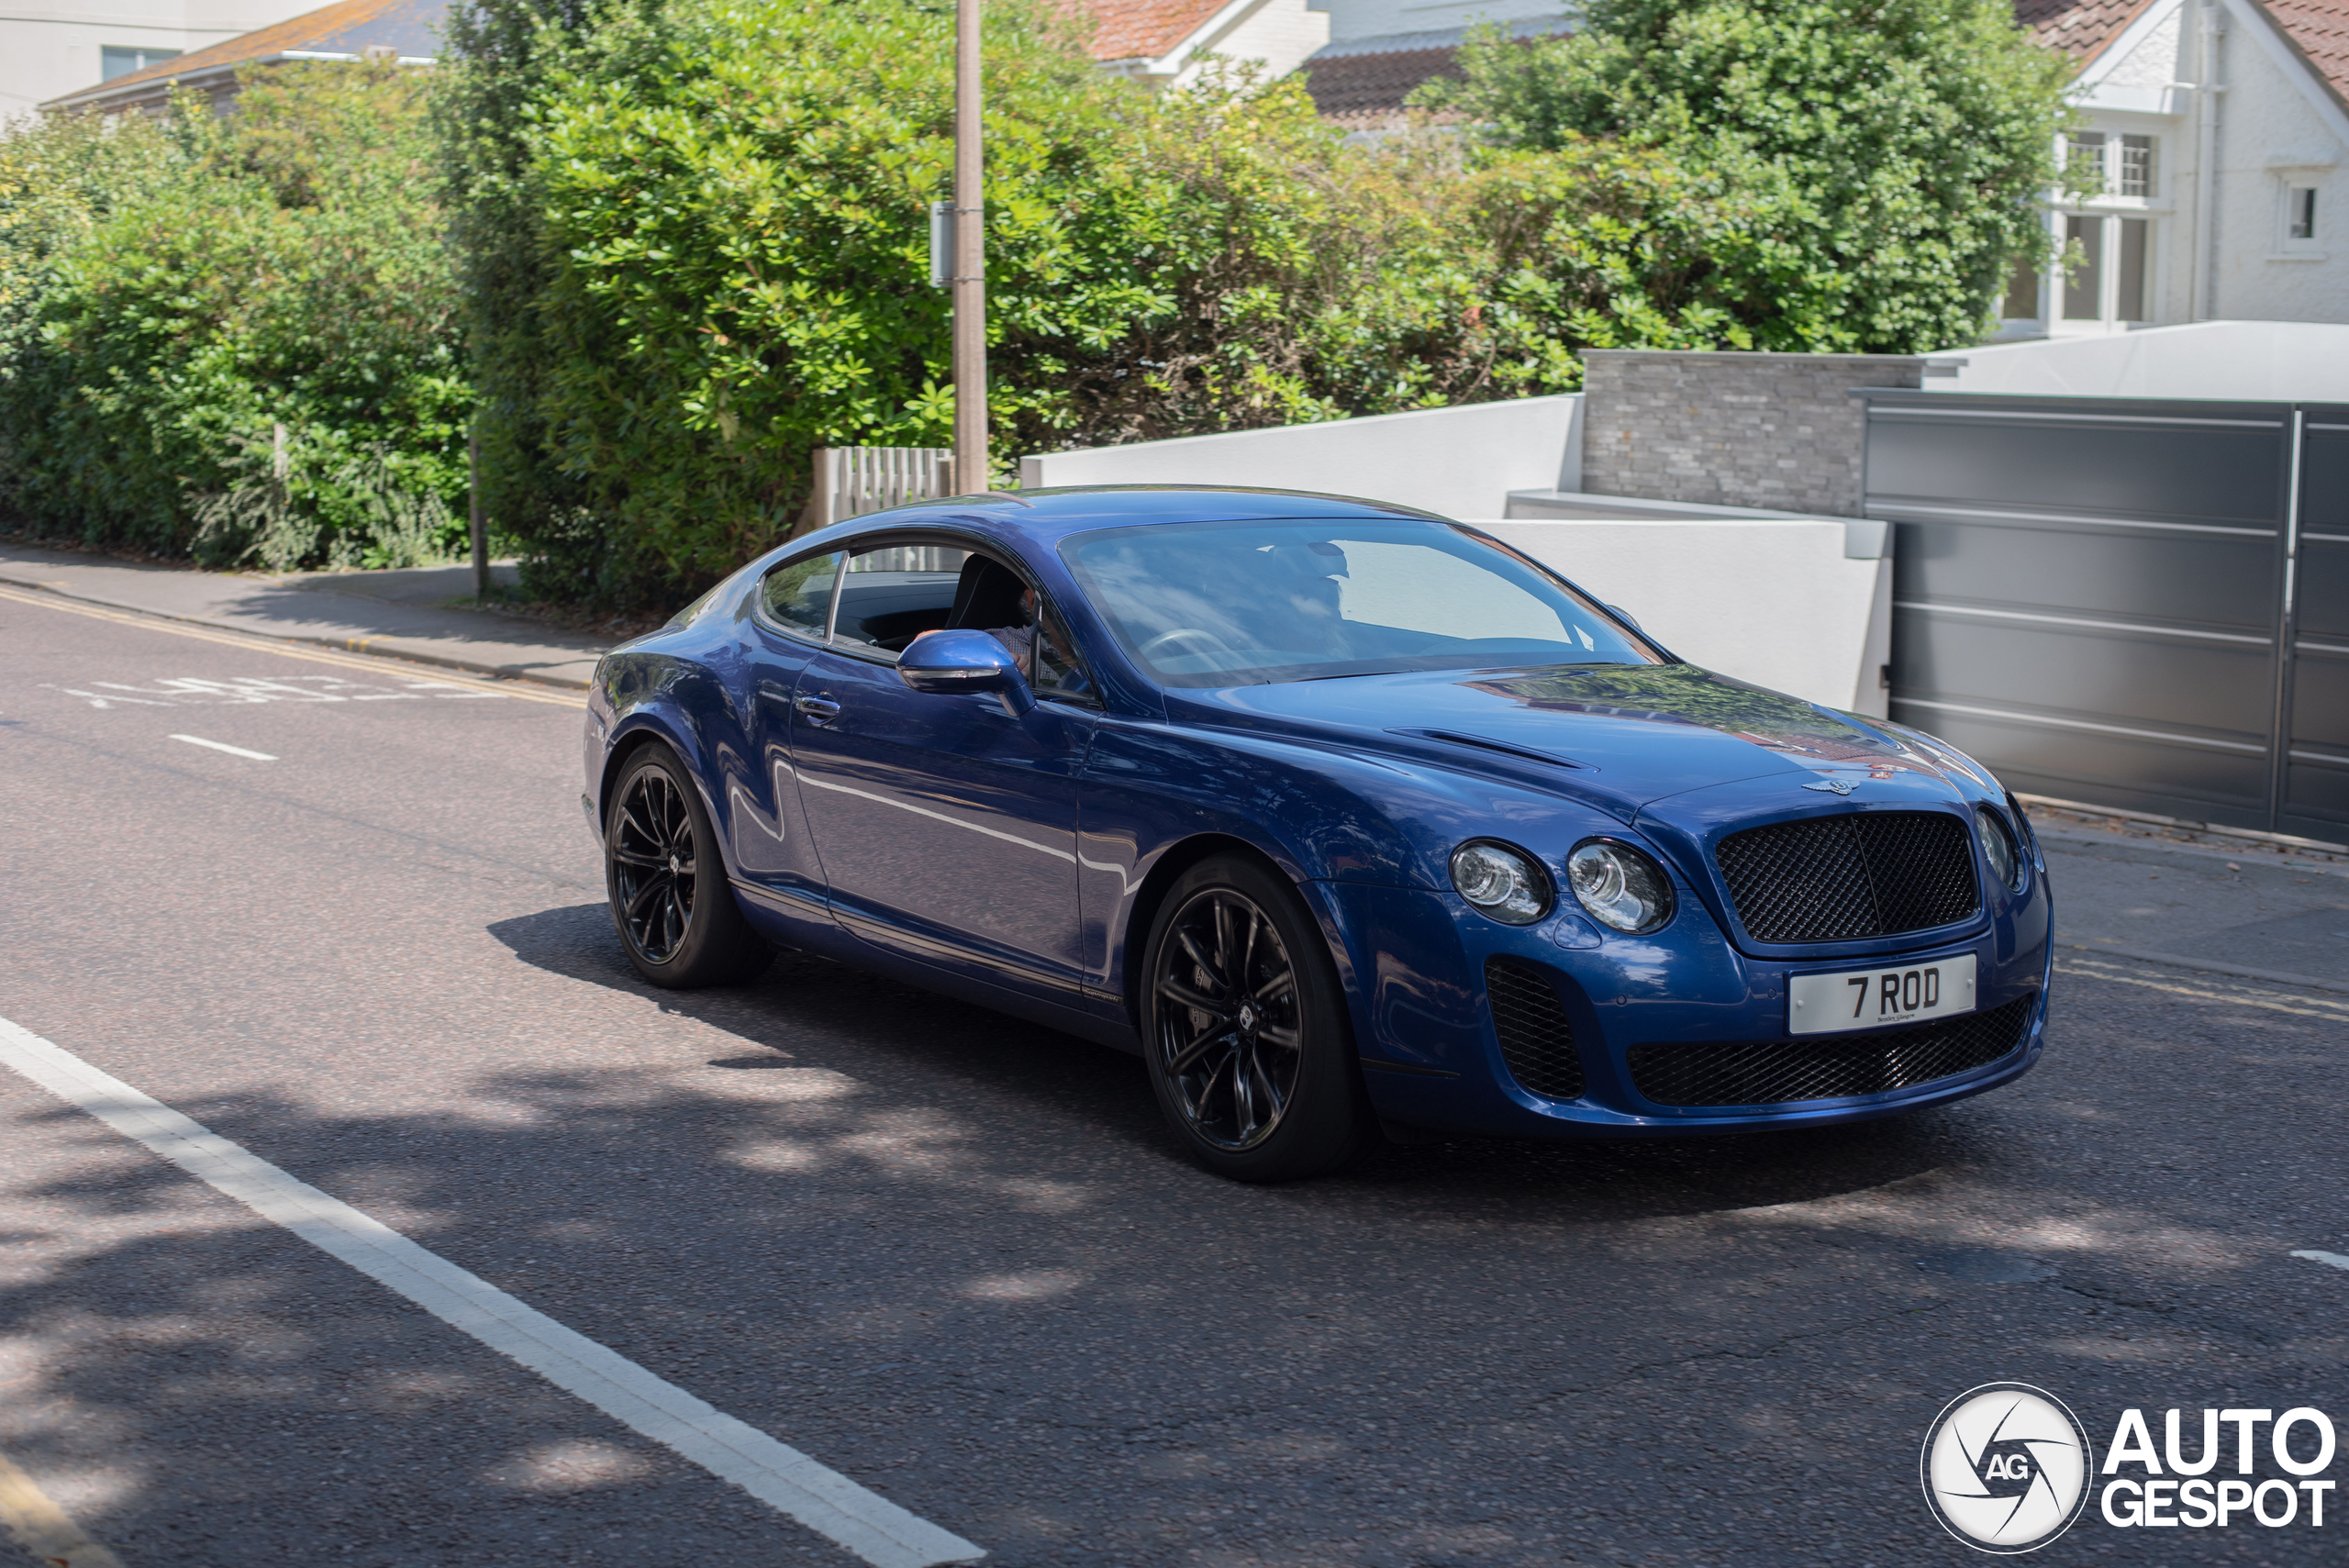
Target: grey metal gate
[[2316, 770], [2137, 602]]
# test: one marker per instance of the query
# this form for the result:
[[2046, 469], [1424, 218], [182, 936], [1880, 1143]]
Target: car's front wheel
[[1245, 1026], [676, 914]]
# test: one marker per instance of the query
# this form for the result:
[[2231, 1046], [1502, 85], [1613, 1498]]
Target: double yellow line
[[525, 691]]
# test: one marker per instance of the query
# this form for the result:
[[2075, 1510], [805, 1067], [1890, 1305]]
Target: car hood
[[1627, 735]]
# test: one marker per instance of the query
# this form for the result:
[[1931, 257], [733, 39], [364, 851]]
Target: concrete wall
[[2281, 362], [1781, 602], [1459, 462], [1730, 429]]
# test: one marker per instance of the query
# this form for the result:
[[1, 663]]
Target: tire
[[666, 881], [1263, 1088]]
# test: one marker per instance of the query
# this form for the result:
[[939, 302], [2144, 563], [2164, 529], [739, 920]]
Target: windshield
[[1249, 603]]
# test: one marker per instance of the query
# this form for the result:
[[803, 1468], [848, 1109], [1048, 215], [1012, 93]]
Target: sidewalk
[[422, 613]]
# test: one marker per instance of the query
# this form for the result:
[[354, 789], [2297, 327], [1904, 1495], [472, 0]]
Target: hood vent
[[1523, 753]]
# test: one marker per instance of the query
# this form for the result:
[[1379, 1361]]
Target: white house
[[53, 46], [1360, 56], [2218, 133]]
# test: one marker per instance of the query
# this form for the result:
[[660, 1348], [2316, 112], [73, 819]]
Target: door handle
[[816, 710]]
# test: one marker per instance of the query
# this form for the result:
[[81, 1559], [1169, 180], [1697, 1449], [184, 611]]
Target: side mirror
[[965, 662], [1620, 613]]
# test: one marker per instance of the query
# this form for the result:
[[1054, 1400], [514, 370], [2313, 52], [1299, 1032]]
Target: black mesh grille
[[1773, 1071], [1866, 873], [1537, 1040]]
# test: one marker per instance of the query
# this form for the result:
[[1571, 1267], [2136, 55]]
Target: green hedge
[[173, 291]]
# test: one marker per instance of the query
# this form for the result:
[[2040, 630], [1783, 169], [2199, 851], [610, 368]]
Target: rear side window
[[797, 594], [891, 595]]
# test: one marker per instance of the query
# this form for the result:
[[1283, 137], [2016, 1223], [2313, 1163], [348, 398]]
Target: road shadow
[[954, 1257], [1099, 1093]]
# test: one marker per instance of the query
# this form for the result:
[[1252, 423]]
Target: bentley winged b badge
[[1841, 787]]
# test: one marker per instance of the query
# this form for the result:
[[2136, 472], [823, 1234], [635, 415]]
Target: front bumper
[[1432, 1057]]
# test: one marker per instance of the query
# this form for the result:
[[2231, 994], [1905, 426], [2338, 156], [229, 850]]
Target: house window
[[2110, 282], [2084, 281], [2299, 213], [2086, 161], [2022, 303], [2129, 295], [2136, 156], [113, 59]]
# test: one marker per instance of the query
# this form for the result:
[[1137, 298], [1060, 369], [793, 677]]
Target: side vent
[[1537, 1039]]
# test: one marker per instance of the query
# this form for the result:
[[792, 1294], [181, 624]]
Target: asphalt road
[[956, 1258]]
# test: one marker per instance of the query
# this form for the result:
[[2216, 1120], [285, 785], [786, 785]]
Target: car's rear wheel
[[1245, 1026], [676, 914]]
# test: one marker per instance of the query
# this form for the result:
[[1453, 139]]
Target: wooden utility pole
[[970, 288]]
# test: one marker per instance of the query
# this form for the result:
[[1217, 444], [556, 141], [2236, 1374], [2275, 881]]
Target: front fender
[[1324, 814]]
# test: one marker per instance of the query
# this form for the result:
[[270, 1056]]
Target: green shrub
[[175, 294], [1882, 158]]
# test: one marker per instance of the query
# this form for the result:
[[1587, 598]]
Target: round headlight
[[1501, 881], [1623, 888], [1997, 848]]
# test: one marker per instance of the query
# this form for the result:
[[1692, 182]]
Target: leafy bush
[[175, 293], [1882, 157]]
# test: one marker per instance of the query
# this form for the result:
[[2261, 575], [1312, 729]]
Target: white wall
[[1776, 602], [1459, 462], [2292, 362]]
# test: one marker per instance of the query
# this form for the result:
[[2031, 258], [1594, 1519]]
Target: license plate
[[1879, 998]]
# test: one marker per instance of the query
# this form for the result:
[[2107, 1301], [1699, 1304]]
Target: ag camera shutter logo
[[2006, 1467]]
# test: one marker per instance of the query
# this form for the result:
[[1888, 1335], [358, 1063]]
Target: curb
[[370, 645]]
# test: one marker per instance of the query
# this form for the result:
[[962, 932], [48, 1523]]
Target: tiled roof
[[2320, 30], [410, 27], [2079, 27], [1145, 29], [1368, 88], [2082, 29], [1362, 82]]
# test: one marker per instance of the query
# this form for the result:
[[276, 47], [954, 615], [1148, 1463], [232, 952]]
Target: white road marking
[[182, 691], [2335, 1259], [827, 1502], [223, 746], [309, 653]]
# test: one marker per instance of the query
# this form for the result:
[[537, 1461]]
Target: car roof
[[1049, 516]]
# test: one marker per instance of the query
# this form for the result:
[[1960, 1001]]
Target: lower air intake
[[1537, 1040], [1777, 1072]]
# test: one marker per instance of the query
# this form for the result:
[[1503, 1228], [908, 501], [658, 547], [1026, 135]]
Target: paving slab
[[420, 613]]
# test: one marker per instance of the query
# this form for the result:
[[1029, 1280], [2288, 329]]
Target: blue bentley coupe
[[1343, 815]]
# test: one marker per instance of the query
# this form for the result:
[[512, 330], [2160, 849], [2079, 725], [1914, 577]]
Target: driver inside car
[[1020, 639]]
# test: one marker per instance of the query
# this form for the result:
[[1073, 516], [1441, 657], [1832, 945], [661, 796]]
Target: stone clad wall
[[1731, 429]]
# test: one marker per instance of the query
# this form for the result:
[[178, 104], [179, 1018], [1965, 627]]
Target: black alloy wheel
[[1249, 1047], [670, 900]]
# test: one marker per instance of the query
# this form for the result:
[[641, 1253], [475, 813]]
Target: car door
[[790, 616], [946, 827]]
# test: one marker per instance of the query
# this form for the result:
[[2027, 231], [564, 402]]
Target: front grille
[[1774, 1071], [1537, 1039], [1866, 873]]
